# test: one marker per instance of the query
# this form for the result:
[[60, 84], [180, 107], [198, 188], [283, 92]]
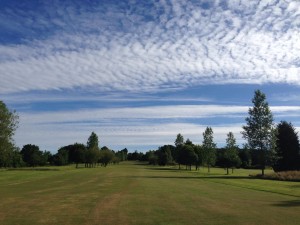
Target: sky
[[138, 72]]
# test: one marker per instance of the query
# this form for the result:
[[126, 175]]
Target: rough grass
[[284, 176], [140, 194]]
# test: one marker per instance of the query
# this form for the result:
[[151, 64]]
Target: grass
[[132, 193]]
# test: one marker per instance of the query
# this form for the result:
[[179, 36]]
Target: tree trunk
[[227, 170], [232, 170], [208, 167]]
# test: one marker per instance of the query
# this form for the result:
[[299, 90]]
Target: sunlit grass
[[132, 193]]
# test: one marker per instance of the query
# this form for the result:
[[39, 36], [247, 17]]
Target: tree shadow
[[195, 177], [291, 203]]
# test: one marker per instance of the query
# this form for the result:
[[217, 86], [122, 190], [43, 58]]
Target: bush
[[284, 176]]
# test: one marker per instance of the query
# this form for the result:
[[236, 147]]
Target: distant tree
[[179, 140], [188, 142], [77, 153], [164, 155], [231, 156], [32, 155], [258, 130], [199, 150], [91, 157], [177, 152], [209, 148], [8, 126], [105, 157], [93, 141], [61, 158], [245, 156], [288, 149], [122, 155]]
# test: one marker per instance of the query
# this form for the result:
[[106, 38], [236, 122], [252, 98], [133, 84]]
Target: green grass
[[139, 194]]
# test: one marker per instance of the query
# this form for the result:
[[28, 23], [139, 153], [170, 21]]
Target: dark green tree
[[32, 155], [8, 126], [164, 155], [209, 148], [77, 153], [258, 131], [105, 156], [93, 141], [179, 140], [287, 148], [177, 152], [231, 157]]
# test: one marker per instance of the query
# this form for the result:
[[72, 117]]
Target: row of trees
[[267, 145]]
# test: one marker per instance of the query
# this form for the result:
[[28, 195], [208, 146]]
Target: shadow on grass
[[291, 203], [32, 169], [196, 177]]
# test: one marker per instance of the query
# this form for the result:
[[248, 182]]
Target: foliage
[[93, 141], [231, 152], [105, 157], [179, 140], [32, 156], [8, 126], [164, 156], [287, 148], [258, 130], [209, 147]]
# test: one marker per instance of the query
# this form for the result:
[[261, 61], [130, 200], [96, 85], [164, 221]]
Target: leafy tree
[[105, 156], [199, 150], [32, 155], [258, 130], [177, 152], [77, 153], [164, 155], [8, 126], [209, 148], [231, 156], [93, 141], [287, 150], [179, 140], [245, 156], [91, 157]]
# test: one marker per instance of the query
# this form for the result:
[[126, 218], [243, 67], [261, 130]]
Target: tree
[[287, 148], [179, 140], [105, 156], [8, 126], [93, 141], [231, 157], [77, 153], [32, 155], [209, 148], [164, 155], [258, 130], [176, 153]]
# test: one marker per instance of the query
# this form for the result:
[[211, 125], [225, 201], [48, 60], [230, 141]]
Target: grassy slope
[[139, 194]]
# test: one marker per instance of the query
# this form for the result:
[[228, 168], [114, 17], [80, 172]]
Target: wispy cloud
[[157, 46]]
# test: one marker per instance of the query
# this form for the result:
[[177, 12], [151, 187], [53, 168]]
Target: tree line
[[266, 144]]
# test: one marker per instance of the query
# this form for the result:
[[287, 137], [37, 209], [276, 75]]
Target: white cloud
[[138, 127], [184, 45]]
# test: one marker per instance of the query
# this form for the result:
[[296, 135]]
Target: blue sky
[[139, 72]]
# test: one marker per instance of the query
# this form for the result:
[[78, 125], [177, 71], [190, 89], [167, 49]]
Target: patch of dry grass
[[284, 176]]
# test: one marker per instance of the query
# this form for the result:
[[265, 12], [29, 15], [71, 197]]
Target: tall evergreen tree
[[258, 130], [209, 148], [287, 148]]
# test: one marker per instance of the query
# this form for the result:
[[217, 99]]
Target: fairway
[[133, 193]]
